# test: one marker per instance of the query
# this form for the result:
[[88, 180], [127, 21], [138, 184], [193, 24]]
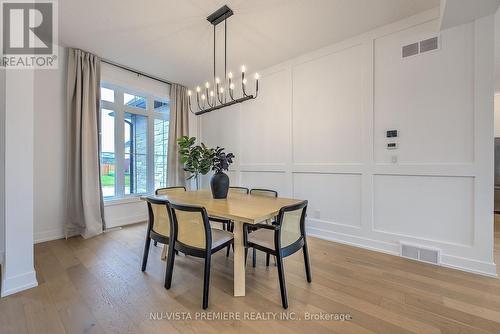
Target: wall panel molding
[[340, 174]]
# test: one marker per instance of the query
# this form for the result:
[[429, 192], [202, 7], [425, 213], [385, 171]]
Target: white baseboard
[[48, 235], [352, 240], [11, 285], [449, 261], [112, 223], [472, 266]]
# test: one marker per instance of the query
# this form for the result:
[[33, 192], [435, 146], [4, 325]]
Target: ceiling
[[171, 39]]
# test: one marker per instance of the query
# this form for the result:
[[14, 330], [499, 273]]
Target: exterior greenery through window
[[134, 141]]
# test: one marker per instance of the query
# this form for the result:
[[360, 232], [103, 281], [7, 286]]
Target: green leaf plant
[[200, 159]]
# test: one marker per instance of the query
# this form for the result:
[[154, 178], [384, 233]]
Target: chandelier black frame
[[210, 101]]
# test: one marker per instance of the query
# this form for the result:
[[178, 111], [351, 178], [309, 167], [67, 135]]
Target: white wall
[[2, 165], [50, 151], [18, 269], [318, 132], [497, 115]]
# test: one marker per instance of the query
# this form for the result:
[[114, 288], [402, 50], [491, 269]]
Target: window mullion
[[119, 143], [150, 158]]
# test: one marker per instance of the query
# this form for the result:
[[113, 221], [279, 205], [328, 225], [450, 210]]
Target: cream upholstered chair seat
[[220, 237], [265, 238]]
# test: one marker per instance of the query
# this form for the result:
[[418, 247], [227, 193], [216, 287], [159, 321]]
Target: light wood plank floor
[[95, 286]]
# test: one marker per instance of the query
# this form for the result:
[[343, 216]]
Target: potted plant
[[220, 181], [197, 159]]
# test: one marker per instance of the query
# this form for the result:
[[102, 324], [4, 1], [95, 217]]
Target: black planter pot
[[220, 185]]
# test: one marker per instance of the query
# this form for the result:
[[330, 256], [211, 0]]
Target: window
[[134, 142]]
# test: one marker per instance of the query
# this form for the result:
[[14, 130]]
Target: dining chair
[[226, 223], [158, 228], [266, 193], [193, 235], [282, 239], [169, 190], [166, 191]]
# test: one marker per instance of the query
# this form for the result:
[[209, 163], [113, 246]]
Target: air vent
[[410, 50], [429, 45], [419, 253], [423, 46]]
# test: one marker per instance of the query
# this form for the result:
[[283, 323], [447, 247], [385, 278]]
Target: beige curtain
[[179, 126], [85, 210]]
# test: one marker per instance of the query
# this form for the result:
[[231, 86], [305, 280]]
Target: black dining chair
[[166, 191], [169, 190], [282, 239], [158, 228], [193, 235], [265, 193], [227, 224]]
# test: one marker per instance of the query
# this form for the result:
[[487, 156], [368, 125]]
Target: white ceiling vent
[[419, 253], [426, 45]]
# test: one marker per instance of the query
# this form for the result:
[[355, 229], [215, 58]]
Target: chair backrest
[[169, 190], [158, 215], [191, 226], [264, 192], [238, 190], [292, 220]]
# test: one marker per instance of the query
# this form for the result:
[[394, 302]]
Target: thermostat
[[392, 133]]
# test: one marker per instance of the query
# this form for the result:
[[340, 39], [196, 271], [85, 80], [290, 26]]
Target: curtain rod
[[135, 71]]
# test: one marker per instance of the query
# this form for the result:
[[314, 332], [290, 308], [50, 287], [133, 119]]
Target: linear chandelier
[[223, 96]]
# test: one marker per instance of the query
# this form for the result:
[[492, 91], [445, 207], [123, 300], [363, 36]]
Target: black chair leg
[[254, 257], [306, 262], [170, 266], [246, 255], [230, 228], [206, 282], [146, 253], [281, 276], [267, 259]]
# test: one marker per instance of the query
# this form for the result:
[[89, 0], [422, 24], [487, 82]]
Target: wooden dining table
[[241, 209]]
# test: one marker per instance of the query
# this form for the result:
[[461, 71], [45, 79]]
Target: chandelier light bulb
[[231, 86], [189, 93], [256, 76], [230, 75], [203, 96], [222, 90], [243, 69], [207, 84], [211, 93], [217, 80], [244, 81], [198, 89]]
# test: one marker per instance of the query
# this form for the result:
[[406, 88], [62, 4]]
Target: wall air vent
[[410, 50], [423, 46], [424, 254], [429, 45]]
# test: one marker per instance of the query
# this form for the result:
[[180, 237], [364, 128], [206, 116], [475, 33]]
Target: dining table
[[240, 209]]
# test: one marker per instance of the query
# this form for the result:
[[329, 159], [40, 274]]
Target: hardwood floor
[[96, 286]]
